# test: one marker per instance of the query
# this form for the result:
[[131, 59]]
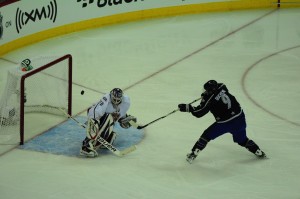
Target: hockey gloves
[[185, 107], [125, 121]]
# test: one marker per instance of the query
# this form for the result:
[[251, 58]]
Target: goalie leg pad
[[95, 128], [110, 139], [92, 128], [102, 128]]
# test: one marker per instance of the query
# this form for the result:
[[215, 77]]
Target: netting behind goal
[[47, 88]]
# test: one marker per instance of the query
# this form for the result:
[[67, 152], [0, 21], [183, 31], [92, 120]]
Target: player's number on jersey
[[226, 100]]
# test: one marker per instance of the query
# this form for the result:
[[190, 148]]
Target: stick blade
[[141, 127], [127, 150]]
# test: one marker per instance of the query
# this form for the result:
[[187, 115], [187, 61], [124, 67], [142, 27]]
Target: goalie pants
[[236, 127]]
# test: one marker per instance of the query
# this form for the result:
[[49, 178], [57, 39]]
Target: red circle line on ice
[[245, 75]]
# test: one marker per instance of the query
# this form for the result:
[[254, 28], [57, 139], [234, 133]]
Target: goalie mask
[[116, 96]]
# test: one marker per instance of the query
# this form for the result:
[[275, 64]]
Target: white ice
[[160, 63]]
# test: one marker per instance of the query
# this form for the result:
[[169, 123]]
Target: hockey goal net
[[45, 88]]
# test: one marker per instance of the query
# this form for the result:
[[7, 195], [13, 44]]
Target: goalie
[[111, 108]]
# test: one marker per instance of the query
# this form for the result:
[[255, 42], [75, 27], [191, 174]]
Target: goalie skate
[[88, 152], [87, 149]]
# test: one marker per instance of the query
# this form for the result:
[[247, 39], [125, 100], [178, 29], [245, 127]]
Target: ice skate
[[191, 156], [87, 152], [260, 154], [87, 149]]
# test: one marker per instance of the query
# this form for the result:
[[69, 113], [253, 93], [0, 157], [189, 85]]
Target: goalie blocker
[[97, 130]]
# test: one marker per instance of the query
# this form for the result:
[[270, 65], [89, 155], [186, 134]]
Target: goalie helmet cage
[[45, 89]]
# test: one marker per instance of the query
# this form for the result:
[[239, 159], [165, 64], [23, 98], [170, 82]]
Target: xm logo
[[46, 12], [1, 26]]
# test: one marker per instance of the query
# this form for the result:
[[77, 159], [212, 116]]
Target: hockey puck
[[82, 92]]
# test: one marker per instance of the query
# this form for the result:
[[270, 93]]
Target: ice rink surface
[[160, 63]]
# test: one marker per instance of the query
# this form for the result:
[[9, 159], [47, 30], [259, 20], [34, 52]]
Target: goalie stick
[[109, 146], [141, 127]]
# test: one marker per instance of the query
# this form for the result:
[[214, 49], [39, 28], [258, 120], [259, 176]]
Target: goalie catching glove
[[125, 121]]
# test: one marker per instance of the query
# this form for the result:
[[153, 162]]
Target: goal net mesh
[[46, 88]]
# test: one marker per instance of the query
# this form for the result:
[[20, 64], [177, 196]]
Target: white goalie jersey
[[105, 106]]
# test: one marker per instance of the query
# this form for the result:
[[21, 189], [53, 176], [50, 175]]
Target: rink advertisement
[[26, 22]]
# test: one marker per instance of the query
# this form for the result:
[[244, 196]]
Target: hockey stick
[[109, 146], [141, 127]]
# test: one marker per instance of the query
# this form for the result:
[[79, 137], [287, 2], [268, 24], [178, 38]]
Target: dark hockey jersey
[[221, 104]]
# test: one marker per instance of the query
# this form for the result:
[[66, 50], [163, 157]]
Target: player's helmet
[[211, 85], [116, 96]]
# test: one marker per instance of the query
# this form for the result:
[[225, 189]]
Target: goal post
[[45, 88]]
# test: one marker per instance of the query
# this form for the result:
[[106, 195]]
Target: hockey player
[[229, 117], [111, 108]]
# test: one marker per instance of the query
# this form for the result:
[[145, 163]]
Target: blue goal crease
[[66, 139]]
